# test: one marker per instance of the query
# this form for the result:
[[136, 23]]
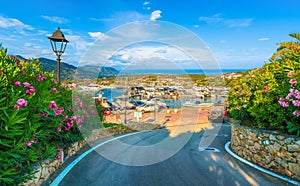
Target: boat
[[196, 103]]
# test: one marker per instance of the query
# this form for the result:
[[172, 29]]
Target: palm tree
[[287, 45]]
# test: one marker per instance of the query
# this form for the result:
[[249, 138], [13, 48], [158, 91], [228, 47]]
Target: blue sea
[[209, 72]]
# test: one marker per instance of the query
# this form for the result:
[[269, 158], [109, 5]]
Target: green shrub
[[38, 117], [269, 97]]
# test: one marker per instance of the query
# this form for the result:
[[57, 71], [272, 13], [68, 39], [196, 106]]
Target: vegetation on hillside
[[39, 117], [269, 97]]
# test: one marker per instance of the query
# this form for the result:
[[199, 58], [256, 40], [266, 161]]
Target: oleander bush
[[39, 117], [269, 97]]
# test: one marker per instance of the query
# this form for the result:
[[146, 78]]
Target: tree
[[287, 45]]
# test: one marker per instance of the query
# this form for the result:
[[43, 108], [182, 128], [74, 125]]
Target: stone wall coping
[[259, 130]]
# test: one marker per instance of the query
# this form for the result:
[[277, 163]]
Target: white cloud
[[98, 35], [156, 14], [212, 20], [264, 39], [78, 43], [55, 19], [146, 3], [236, 22], [13, 23]]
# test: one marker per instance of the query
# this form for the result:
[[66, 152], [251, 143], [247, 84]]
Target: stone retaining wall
[[47, 168], [276, 152]]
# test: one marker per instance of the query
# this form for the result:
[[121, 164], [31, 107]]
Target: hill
[[68, 71]]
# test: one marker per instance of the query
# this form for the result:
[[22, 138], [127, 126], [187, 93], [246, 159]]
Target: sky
[[228, 34]]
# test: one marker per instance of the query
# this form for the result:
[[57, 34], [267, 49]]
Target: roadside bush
[[269, 97], [37, 118]]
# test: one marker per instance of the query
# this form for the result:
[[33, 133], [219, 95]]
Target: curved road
[[189, 166]]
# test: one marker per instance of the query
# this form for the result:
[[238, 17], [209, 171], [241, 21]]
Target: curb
[[258, 167], [61, 176]]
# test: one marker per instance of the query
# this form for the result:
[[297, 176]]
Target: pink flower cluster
[[30, 89], [293, 96], [29, 143], [18, 83], [70, 123], [293, 82], [57, 110], [40, 77], [20, 103], [283, 103], [52, 105], [296, 113]]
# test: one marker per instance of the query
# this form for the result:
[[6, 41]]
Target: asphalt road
[[186, 166]]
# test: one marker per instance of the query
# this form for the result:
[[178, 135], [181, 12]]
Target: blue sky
[[239, 34]]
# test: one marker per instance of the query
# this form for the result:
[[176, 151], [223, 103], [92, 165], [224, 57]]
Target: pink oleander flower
[[18, 83], [296, 113], [53, 88], [79, 119], [52, 105], [283, 103], [73, 118], [58, 111], [26, 84], [44, 115], [266, 89], [58, 157], [293, 82], [30, 91], [290, 74], [16, 106], [296, 103], [59, 149], [22, 102], [30, 143], [58, 128], [67, 128], [40, 77]]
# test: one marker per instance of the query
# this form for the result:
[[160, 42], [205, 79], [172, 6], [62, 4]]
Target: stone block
[[283, 148], [250, 143], [277, 146], [45, 173], [280, 137], [284, 164], [267, 159], [288, 140], [272, 137], [298, 158], [257, 158], [294, 168], [293, 148], [278, 160], [257, 146]]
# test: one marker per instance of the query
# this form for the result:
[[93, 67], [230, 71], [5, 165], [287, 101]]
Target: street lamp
[[58, 44]]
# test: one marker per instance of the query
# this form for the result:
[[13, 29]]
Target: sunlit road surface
[[189, 166]]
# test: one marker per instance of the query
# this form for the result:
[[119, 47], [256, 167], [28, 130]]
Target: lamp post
[[58, 44]]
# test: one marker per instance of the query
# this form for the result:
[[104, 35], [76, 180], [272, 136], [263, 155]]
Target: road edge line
[[258, 167], [61, 176]]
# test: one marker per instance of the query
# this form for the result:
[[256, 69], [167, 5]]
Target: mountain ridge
[[70, 72]]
